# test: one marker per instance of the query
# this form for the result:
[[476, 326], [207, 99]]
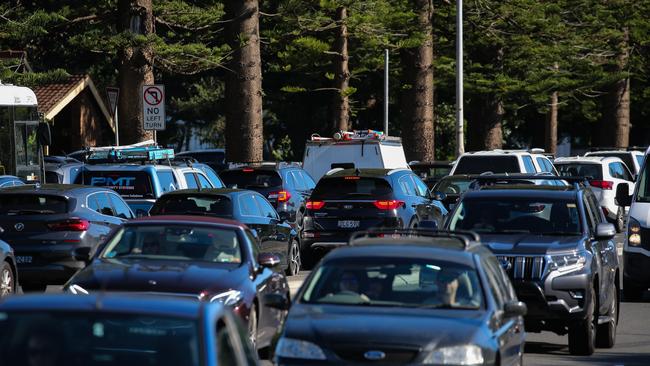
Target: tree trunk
[[244, 134], [616, 102], [417, 100], [135, 69], [485, 114], [341, 103], [550, 132]]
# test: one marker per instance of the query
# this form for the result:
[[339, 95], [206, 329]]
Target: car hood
[[332, 325], [159, 276], [530, 244]]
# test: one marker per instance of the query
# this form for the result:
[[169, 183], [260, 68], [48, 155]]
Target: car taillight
[[388, 204], [70, 225], [248, 170], [602, 184], [315, 205], [281, 196]]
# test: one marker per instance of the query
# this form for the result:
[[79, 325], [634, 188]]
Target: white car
[[633, 159], [503, 161], [606, 174]]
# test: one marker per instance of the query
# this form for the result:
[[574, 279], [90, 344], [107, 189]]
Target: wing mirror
[[514, 308], [605, 231], [277, 301], [268, 260], [623, 197]]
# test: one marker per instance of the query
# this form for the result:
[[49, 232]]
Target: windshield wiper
[[29, 212]]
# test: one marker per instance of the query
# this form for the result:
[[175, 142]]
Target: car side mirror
[[284, 216], [623, 197], [268, 260], [514, 308], [81, 254], [44, 136], [438, 196], [277, 301], [605, 231]]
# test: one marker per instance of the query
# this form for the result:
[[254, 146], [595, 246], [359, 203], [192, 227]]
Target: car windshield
[[178, 242], [211, 205], [594, 171], [509, 215], [394, 282], [352, 187], [251, 178], [476, 164], [453, 185], [69, 338], [23, 204]]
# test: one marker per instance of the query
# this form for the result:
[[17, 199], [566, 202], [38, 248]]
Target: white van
[[636, 250], [324, 154], [500, 161]]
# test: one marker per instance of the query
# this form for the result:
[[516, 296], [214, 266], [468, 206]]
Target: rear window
[[352, 187], [626, 157], [185, 205], [128, 184], [25, 204], [480, 164], [251, 178], [580, 170]]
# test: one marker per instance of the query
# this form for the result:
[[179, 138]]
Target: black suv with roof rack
[[558, 250]]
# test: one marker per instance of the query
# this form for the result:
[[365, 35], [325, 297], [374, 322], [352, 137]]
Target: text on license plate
[[20, 259], [348, 224]]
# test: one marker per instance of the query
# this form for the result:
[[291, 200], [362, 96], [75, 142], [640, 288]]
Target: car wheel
[[7, 280], [294, 259], [33, 288], [582, 335], [632, 292], [414, 224], [606, 333], [252, 326], [620, 220]]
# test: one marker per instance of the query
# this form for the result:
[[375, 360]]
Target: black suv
[[285, 185], [348, 200], [558, 250]]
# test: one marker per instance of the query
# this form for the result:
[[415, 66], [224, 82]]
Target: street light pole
[[460, 138]]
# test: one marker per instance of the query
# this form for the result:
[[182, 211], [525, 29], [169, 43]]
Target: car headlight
[[77, 290], [457, 355], [567, 261], [633, 232], [228, 298], [295, 348]]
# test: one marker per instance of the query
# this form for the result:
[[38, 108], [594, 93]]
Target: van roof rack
[[463, 238], [129, 155], [257, 164]]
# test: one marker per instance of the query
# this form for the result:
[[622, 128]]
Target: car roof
[[127, 167], [53, 188], [622, 152], [107, 302], [588, 159], [497, 152], [209, 191], [415, 250], [522, 191], [364, 173], [169, 219]]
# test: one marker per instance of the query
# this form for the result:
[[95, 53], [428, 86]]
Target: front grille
[[523, 267], [393, 355]]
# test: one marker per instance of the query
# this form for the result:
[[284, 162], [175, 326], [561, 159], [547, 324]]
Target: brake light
[[354, 177], [388, 204], [248, 170], [281, 196], [602, 184], [70, 225], [315, 205]]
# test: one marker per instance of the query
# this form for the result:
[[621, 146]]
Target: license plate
[[23, 259], [348, 224]]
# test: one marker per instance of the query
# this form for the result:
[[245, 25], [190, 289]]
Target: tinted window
[[129, 184], [265, 207], [517, 215], [23, 204], [580, 170], [214, 178], [248, 206], [420, 188], [453, 186], [226, 349], [591, 217], [639, 159], [528, 164], [543, 165], [299, 181], [177, 242], [353, 187], [473, 164], [625, 156], [104, 204], [251, 178], [121, 208], [407, 185], [193, 204], [167, 181], [191, 181], [308, 181], [619, 171], [203, 181]]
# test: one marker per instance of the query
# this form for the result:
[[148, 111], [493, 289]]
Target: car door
[[251, 215], [599, 248], [411, 200], [609, 259], [104, 220], [279, 236]]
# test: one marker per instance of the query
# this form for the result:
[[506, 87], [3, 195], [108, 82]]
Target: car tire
[[294, 259], [619, 222], [582, 335], [7, 280], [632, 292], [33, 288], [252, 326], [606, 333], [415, 223]]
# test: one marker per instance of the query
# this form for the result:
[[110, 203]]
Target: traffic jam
[[139, 255]]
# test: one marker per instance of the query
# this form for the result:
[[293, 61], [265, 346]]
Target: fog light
[[634, 239], [576, 294]]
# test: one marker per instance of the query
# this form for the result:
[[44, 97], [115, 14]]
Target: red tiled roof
[[49, 95]]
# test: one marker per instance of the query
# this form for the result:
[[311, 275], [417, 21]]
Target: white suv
[[633, 159], [606, 174], [503, 161]]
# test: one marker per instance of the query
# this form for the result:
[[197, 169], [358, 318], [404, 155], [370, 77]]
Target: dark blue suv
[[349, 200]]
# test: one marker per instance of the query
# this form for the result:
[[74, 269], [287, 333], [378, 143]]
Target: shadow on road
[[600, 358]]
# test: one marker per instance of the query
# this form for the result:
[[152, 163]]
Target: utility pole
[[460, 138], [386, 92]]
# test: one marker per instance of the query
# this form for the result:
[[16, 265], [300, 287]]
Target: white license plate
[[22, 259], [349, 224]]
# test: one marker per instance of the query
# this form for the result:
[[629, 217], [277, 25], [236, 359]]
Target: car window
[[251, 178], [496, 289], [177, 204], [300, 183], [589, 213], [595, 209], [203, 181], [265, 207], [544, 164], [247, 205], [167, 181], [592, 170], [191, 181], [639, 160], [214, 178], [407, 185], [308, 180], [477, 164], [121, 208], [625, 156], [352, 187], [104, 204], [421, 188], [528, 164], [289, 181], [622, 172]]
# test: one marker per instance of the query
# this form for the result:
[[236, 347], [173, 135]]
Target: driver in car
[[349, 282]]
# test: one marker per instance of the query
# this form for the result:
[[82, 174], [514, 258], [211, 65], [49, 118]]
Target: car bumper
[[52, 266], [636, 268]]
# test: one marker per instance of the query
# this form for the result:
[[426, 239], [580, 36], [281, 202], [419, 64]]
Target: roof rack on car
[[464, 238], [276, 164], [130, 154], [495, 179]]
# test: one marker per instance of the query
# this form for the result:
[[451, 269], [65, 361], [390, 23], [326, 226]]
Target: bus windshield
[[643, 193], [18, 129]]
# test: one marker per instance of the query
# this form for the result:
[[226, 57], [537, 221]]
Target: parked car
[[120, 330], [558, 250], [503, 161], [194, 257], [633, 159], [349, 200], [405, 298], [215, 158], [606, 174], [453, 186], [431, 172], [44, 224], [248, 207], [8, 273], [285, 185], [10, 181]]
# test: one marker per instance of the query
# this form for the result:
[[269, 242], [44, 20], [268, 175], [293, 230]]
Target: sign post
[[153, 107], [113, 94]]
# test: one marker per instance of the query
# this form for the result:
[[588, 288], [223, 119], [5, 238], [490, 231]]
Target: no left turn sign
[[153, 105]]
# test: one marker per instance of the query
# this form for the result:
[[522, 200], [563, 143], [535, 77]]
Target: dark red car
[[206, 258]]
